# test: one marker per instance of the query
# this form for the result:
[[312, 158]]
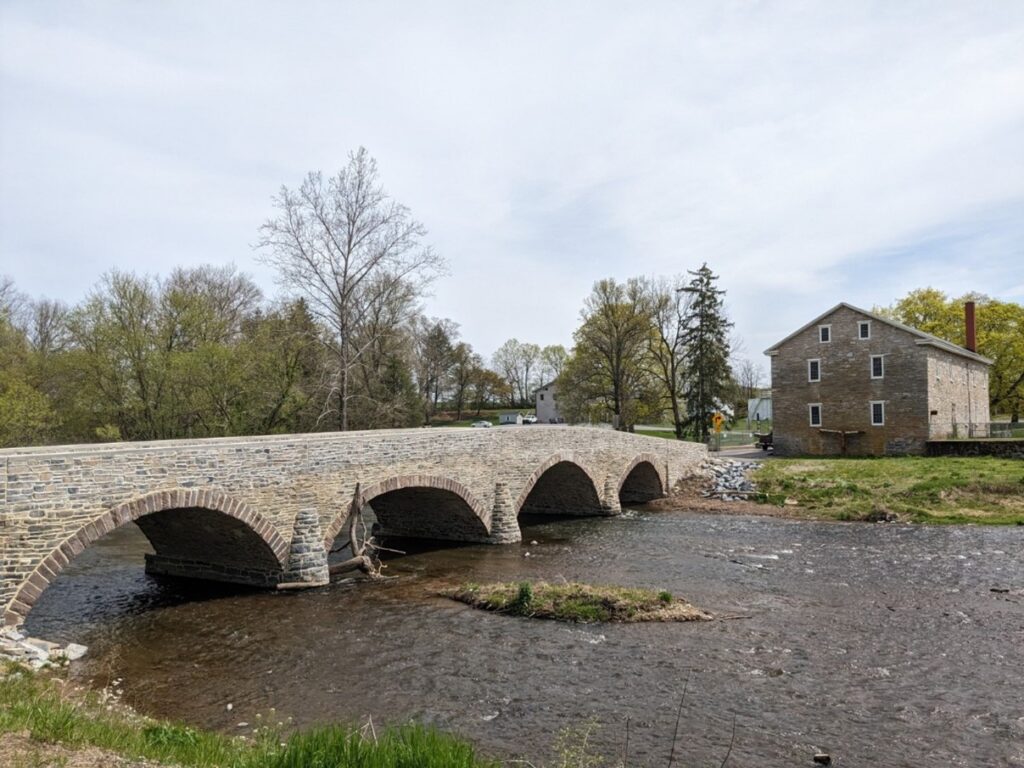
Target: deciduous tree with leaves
[[1000, 336], [607, 376]]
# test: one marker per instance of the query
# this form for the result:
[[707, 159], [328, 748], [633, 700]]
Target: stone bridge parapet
[[228, 509]]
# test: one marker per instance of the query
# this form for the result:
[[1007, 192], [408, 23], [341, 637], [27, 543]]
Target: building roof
[[924, 339], [545, 386]]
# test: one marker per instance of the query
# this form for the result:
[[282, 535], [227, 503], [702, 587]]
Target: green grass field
[[48, 712], [981, 490]]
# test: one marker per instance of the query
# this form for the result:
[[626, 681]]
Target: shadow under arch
[[560, 486], [421, 507], [641, 481], [198, 534]]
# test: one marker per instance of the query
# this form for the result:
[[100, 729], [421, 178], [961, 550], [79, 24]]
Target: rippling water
[[881, 644]]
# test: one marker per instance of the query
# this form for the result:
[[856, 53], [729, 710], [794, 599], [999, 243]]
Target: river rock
[[45, 646], [74, 651], [34, 651], [729, 478]]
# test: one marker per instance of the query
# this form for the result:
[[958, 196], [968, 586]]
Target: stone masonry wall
[[958, 393], [847, 389], [1004, 449], [55, 501]]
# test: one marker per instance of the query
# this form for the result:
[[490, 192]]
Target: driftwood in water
[[364, 548]]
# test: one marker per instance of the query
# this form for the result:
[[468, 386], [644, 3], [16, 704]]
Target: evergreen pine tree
[[706, 342]]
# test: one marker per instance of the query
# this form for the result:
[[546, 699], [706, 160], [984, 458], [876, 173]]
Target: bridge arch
[[562, 484], [422, 506], [234, 542], [642, 480]]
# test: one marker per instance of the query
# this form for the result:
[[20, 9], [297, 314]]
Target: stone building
[[547, 404], [851, 381]]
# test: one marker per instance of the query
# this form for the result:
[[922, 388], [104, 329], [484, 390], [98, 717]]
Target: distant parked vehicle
[[480, 424], [529, 419]]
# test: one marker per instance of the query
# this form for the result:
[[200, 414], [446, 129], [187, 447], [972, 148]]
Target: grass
[[983, 490], [52, 712], [575, 602]]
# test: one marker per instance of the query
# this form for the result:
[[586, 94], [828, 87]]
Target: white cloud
[[545, 146]]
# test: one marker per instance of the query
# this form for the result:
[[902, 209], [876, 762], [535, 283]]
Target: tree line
[[202, 353], [651, 348]]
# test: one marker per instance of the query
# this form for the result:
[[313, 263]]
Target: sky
[[809, 153]]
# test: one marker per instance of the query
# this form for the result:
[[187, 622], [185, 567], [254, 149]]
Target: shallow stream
[[880, 644]]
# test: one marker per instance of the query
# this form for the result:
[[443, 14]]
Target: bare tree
[[749, 376], [667, 355], [346, 246], [552, 360], [517, 362], [48, 326], [12, 301]]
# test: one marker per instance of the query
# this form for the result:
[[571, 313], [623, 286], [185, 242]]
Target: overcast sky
[[809, 153]]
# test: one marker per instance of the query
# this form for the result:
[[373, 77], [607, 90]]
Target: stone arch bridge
[[264, 510]]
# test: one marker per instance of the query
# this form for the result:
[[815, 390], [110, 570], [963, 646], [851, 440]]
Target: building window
[[814, 414], [877, 366], [814, 370], [824, 333], [877, 413], [542, 397], [864, 329]]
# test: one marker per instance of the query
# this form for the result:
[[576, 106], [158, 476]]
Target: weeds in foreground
[[50, 711]]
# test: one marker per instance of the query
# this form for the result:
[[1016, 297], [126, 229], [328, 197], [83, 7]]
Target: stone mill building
[[854, 382]]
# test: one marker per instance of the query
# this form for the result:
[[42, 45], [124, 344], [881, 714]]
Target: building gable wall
[[847, 389]]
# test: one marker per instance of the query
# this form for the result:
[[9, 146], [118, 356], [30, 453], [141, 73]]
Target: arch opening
[[423, 512], [562, 489], [200, 543], [198, 535], [642, 484]]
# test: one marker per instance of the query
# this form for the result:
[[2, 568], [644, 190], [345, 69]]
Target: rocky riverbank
[[729, 478], [36, 653]]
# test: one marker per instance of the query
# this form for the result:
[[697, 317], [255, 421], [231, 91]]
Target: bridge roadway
[[265, 510]]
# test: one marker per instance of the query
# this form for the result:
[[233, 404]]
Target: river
[[879, 644]]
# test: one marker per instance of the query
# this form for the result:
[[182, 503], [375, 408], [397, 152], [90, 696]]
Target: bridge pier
[[307, 556], [504, 524], [610, 504]]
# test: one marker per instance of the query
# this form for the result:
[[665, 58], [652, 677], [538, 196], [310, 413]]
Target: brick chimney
[[971, 341]]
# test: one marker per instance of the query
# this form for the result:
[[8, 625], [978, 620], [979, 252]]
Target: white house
[[759, 409], [510, 417], [547, 404]]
